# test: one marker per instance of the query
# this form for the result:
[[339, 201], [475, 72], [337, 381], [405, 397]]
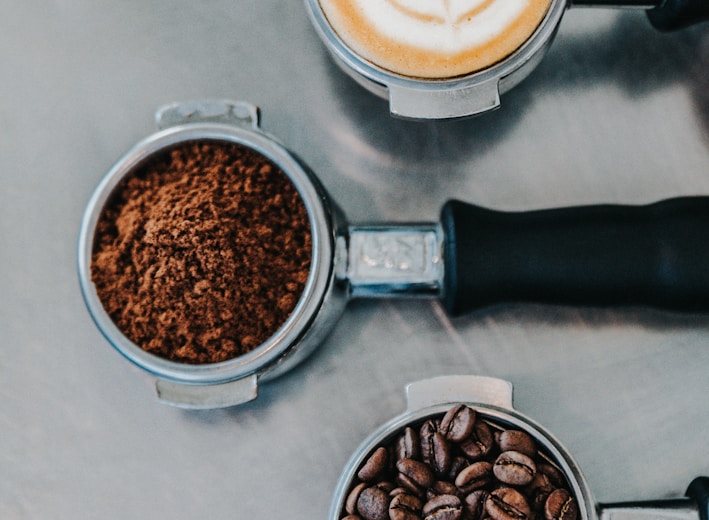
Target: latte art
[[451, 26], [434, 38]]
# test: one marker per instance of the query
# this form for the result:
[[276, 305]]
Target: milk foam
[[448, 27], [434, 38]]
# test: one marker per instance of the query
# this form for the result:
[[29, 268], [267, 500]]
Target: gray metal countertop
[[615, 113]]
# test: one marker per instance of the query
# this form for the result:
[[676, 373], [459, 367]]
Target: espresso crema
[[434, 39]]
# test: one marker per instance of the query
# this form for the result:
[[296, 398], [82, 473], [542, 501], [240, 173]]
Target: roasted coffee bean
[[475, 476], [385, 485], [479, 443], [375, 465], [410, 485], [443, 507], [474, 504], [352, 517], [441, 487], [439, 454], [405, 507], [373, 504], [506, 503], [538, 490], [417, 472], [514, 468], [398, 491], [428, 428], [556, 477], [458, 423], [353, 496], [407, 445], [458, 464], [560, 505], [516, 440]]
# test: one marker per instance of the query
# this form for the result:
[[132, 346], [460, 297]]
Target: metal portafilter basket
[[479, 92], [491, 399], [598, 255]]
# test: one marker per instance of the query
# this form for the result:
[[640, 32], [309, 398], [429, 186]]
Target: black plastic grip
[[670, 15], [698, 490], [655, 255]]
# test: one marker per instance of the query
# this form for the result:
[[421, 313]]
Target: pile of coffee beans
[[459, 466]]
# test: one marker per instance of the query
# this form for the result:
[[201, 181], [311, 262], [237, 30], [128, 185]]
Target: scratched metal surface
[[615, 113]]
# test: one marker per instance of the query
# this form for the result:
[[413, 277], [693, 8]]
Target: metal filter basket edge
[[234, 381]]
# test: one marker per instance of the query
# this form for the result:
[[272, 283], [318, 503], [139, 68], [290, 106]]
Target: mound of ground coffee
[[202, 252]]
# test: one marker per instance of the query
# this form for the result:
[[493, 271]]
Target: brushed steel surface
[[615, 113]]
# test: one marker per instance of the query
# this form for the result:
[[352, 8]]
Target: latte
[[434, 39]]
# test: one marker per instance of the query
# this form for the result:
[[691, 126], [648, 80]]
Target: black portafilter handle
[[695, 506], [698, 491], [670, 15], [654, 255], [664, 15]]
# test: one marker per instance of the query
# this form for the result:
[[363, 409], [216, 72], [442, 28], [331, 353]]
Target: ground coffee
[[459, 466], [203, 252]]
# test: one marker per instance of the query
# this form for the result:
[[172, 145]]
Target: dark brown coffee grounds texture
[[202, 252]]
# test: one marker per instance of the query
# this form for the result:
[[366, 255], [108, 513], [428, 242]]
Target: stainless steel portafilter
[[491, 399], [472, 257], [479, 92]]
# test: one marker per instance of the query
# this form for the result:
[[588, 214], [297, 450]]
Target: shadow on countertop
[[295, 385], [629, 54]]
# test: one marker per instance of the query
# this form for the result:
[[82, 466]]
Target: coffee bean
[[560, 505], [556, 477], [479, 443], [514, 468], [353, 496], [398, 491], [407, 445], [385, 485], [516, 440], [443, 507], [374, 466], [458, 464], [373, 504], [428, 428], [475, 476], [474, 504], [538, 490], [405, 507], [458, 423], [352, 517], [441, 487], [506, 503], [440, 455], [409, 485], [417, 472]]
